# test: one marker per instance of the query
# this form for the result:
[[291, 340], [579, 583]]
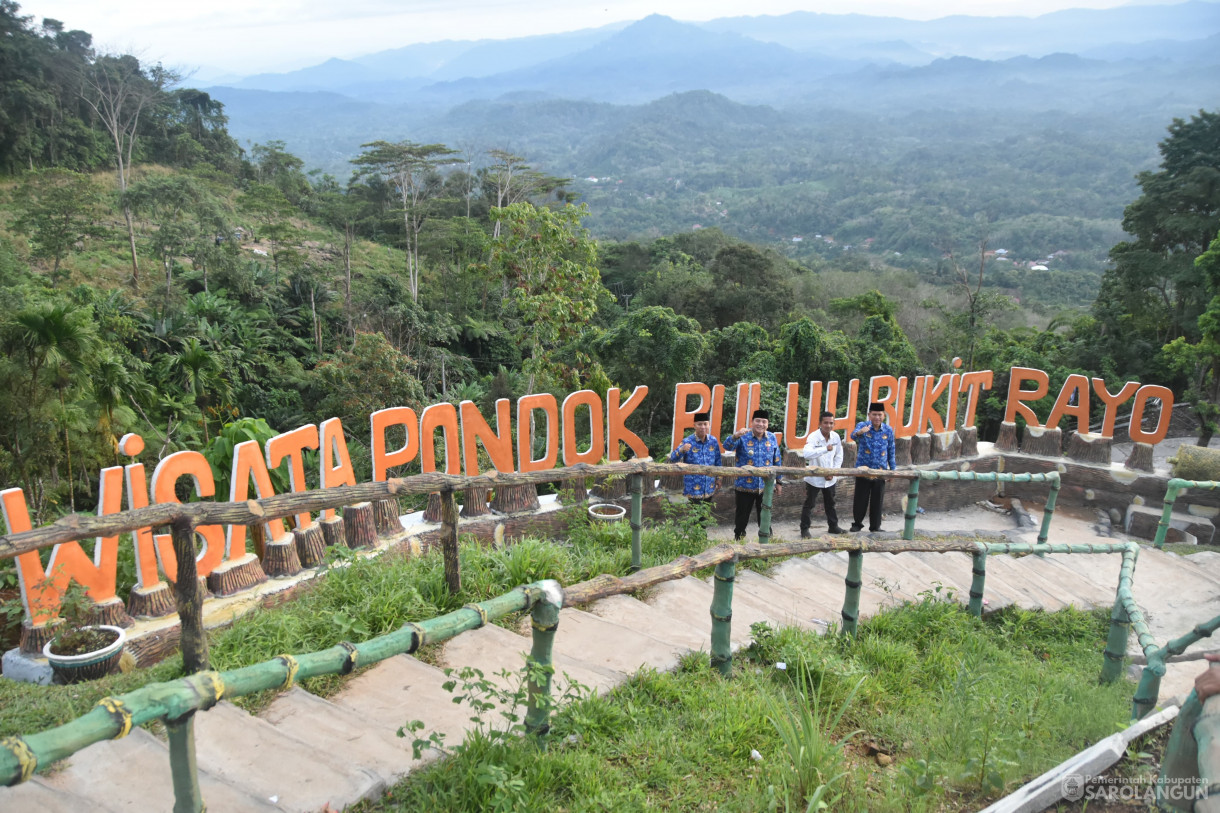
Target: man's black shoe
[[837, 530], [805, 534], [874, 530], [857, 527]]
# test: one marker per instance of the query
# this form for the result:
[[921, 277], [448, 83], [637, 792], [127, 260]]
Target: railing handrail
[[83, 526], [114, 717]]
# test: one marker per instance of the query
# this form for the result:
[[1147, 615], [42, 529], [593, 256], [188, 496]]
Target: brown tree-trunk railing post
[[311, 547], [1090, 448], [432, 511], [194, 641], [385, 517], [1006, 441], [280, 558], [474, 502], [902, 451], [970, 441], [514, 499], [1141, 458], [359, 527], [449, 542], [637, 522], [1043, 442], [332, 531]]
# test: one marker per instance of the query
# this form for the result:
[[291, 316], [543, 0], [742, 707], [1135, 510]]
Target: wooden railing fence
[[175, 703]]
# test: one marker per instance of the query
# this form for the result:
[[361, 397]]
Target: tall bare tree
[[119, 91], [414, 171]]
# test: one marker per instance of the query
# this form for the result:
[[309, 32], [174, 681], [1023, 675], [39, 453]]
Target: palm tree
[[202, 376], [111, 383], [58, 337]]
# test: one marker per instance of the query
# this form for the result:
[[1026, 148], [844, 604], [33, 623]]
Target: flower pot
[[607, 512], [89, 665]]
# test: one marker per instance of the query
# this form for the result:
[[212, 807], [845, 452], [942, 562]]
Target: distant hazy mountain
[[560, 93], [1072, 30]]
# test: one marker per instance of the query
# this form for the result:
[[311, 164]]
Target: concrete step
[[688, 603], [786, 606], [881, 582], [635, 614], [1074, 588], [825, 588], [131, 775], [1141, 521], [1035, 593], [36, 795], [493, 649], [401, 689], [955, 570], [605, 644], [371, 744], [251, 753]]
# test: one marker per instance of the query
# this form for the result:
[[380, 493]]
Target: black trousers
[[746, 501], [868, 497], [828, 500]]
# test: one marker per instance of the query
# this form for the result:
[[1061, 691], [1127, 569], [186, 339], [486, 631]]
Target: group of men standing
[[823, 449]]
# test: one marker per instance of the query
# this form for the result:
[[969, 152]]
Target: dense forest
[[156, 277]]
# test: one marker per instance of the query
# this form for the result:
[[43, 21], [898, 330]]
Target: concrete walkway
[[304, 753]]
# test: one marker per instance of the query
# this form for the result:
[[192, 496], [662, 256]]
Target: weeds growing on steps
[[947, 711]]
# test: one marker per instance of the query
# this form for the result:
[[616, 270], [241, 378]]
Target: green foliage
[[371, 376], [58, 208], [1154, 293], [549, 263]]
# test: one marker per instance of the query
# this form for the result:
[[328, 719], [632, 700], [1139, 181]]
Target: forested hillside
[[157, 277]]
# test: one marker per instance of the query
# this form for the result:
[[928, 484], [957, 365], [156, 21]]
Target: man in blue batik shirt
[[753, 447], [703, 449], [875, 450]]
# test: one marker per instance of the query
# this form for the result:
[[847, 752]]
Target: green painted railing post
[[1049, 512], [851, 599], [908, 527], [978, 570], [637, 522], [1171, 496], [1116, 644], [722, 617], [1148, 690], [187, 797], [764, 516], [544, 622]]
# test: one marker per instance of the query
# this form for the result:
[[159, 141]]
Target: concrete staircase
[[304, 753]]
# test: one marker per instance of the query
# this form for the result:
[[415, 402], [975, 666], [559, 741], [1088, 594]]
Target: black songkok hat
[[702, 416], [761, 413], [876, 406]]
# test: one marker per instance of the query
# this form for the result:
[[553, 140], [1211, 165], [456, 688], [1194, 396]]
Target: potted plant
[[79, 650]]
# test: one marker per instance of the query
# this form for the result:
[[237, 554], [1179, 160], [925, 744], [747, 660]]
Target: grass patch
[[959, 710]]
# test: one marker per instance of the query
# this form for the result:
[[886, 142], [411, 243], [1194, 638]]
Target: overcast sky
[[261, 35]]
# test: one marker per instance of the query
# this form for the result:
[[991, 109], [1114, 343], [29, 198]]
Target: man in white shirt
[[823, 449]]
